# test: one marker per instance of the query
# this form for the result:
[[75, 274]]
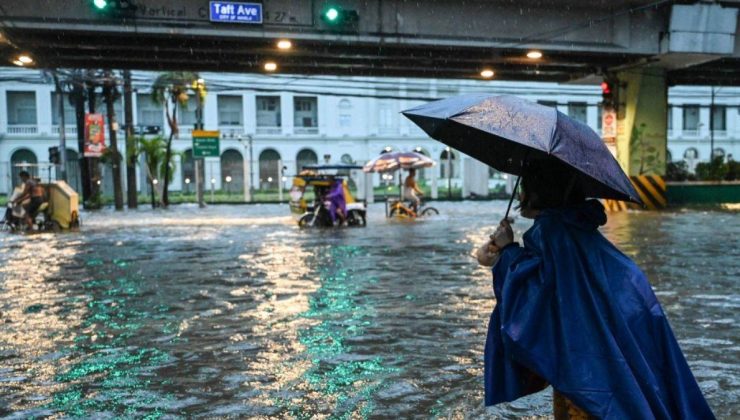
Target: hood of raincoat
[[575, 312]]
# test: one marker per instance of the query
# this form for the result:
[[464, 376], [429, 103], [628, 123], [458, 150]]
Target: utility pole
[[94, 170], [711, 129], [128, 112], [449, 173], [111, 94], [78, 96], [62, 129], [200, 170]]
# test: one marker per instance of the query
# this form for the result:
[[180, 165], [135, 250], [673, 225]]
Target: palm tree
[[174, 88], [153, 150]]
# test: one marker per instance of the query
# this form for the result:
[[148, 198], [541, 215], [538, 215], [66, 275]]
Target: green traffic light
[[331, 14], [100, 4]]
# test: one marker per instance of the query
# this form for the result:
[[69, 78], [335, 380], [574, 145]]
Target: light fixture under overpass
[[534, 54], [487, 73], [284, 44], [270, 66]]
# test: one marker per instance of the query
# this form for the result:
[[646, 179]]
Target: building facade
[[271, 126]]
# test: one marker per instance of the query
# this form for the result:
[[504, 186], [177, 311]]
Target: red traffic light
[[605, 88]]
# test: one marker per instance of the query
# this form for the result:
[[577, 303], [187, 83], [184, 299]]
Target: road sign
[[609, 123], [205, 144], [235, 12]]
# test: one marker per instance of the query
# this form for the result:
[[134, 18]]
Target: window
[[268, 111], [229, 110], [21, 108], [148, 112], [386, 116], [345, 113], [670, 118], [102, 108], [305, 112], [577, 111], [70, 116], [599, 117], [691, 117], [345, 120], [718, 118]]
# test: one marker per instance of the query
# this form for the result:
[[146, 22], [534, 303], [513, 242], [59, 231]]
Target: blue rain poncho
[[575, 312]]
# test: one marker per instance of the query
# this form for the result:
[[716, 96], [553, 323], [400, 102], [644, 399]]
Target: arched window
[[446, 165], [347, 159], [668, 156], [269, 169], [305, 157], [22, 160], [232, 171], [691, 153]]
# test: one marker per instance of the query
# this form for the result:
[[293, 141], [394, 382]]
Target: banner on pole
[[94, 135]]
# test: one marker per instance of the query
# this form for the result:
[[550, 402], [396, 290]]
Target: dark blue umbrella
[[507, 132]]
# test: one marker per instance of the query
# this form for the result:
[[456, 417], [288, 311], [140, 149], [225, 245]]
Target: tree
[[153, 150], [173, 88]]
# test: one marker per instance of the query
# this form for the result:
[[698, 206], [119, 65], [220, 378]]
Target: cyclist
[[411, 190]]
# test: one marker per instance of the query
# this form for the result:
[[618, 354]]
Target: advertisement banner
[[94, 135]]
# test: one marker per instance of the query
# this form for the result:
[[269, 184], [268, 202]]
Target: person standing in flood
[[574, 312]]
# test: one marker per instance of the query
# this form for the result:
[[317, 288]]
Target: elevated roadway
[[580, 40]]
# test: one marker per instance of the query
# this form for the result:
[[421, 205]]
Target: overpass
[[639, 47], [578, 39]]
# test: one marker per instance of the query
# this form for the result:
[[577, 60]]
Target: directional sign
[[235, 12], [205, 144]]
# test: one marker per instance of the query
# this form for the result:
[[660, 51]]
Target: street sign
[[235, 12], [205, 144], [609, 123]]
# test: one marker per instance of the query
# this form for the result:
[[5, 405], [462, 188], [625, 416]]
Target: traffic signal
[[338, 18], [609, 93], [54, 157], [115, 8]]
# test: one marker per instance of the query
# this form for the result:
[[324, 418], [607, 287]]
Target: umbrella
[[388, 162], [506, 131]]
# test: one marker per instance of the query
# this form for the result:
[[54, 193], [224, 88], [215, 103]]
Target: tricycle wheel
[[356, 218], [429, 211], [305, 220]]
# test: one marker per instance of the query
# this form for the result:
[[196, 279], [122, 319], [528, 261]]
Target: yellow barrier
[[651, 189]]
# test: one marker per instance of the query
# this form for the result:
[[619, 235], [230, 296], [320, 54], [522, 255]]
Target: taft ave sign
[[235, 12], [205, 144]]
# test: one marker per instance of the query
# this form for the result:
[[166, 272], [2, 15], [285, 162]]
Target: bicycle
[[401, 209]]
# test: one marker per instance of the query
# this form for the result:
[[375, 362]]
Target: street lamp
[[247, 143], [228, 184]]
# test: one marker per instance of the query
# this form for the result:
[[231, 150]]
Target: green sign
[[205, 144]]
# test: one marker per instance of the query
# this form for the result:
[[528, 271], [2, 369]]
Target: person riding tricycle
[[332, 203]]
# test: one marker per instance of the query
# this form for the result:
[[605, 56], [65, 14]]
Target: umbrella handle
[[511, 200]]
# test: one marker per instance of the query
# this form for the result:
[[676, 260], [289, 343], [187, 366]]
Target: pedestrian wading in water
[[574, 312]]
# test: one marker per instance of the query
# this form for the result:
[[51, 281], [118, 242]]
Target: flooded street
[[234, 312]]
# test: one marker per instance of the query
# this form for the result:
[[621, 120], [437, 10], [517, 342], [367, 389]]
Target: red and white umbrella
[[389, 162]]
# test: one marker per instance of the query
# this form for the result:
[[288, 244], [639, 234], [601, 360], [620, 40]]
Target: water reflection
[[232, 311]]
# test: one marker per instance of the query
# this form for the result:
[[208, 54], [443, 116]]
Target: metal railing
[[70, 130], [23, 129], [269, 130], [306, 130]]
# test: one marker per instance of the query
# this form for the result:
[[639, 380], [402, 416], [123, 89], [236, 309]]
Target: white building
[[276, 121]]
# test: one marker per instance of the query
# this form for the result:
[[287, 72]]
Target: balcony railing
[[720, 133], [70, 130], [231, 131], [23, 129], [269, 130], [690, 133], [306, 130]]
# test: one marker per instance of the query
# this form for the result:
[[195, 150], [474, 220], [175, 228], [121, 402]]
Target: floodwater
[[234, 312]]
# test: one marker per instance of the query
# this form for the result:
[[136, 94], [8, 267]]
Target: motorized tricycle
[[322, 199]]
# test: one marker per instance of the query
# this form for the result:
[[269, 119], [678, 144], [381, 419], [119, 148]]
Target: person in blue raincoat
[[574, 312]]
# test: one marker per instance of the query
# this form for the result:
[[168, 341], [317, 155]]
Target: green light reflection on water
[[111, 371], [343, 315]]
